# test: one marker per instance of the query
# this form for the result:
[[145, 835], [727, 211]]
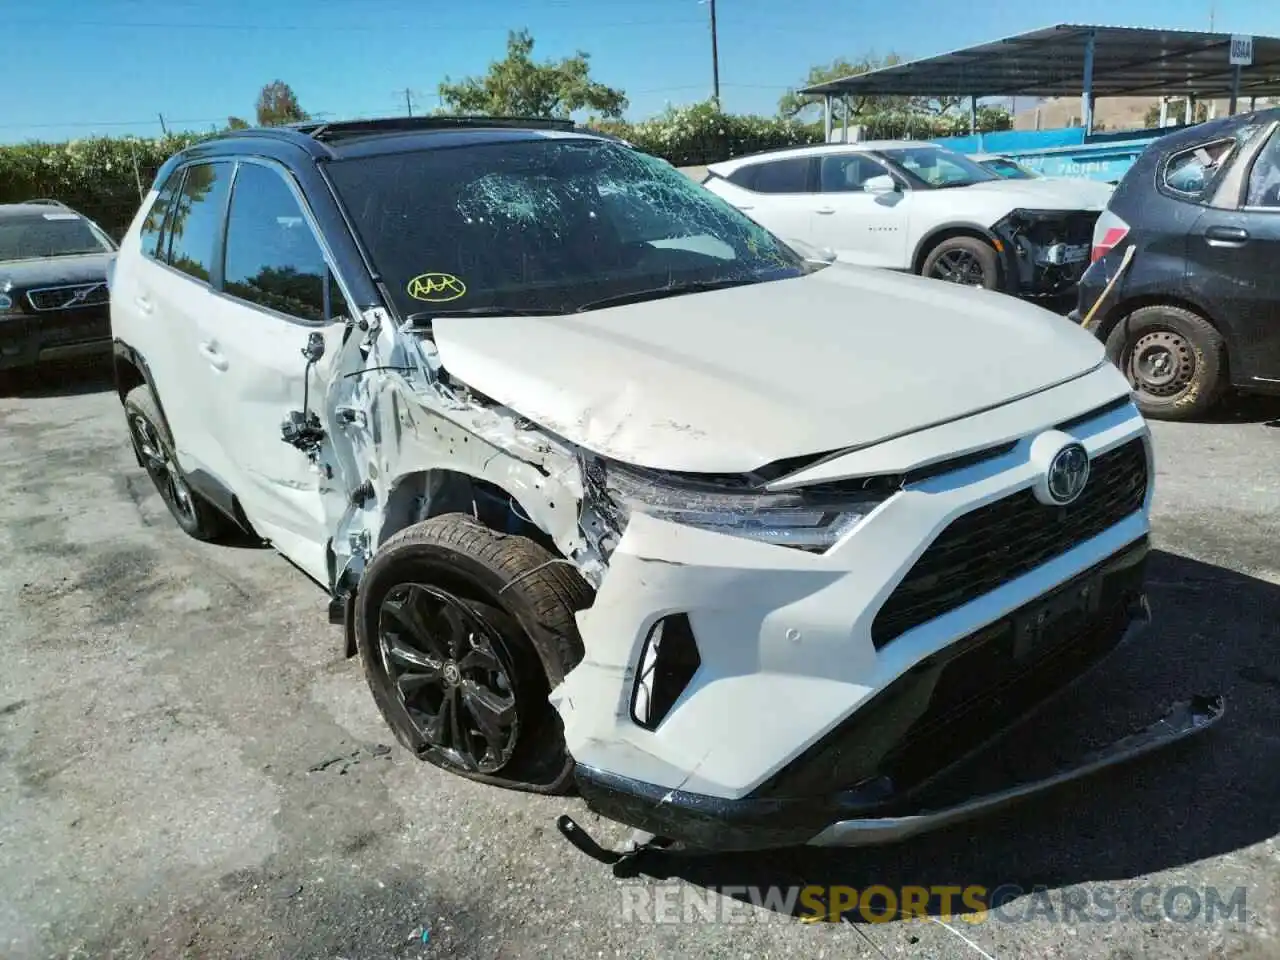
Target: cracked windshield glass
[[547, 225]]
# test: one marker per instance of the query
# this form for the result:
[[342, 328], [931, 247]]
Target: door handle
[[1226, 236], [210, 352], [744, 206], [825, 210], [143, 304]]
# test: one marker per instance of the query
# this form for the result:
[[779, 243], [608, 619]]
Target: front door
[[861, 227], [1232, 258], [277, 291]]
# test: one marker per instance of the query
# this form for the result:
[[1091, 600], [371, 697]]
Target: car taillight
[[1107, 234]]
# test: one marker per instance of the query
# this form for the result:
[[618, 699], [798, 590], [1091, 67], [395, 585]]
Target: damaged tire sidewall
[[423, 554]]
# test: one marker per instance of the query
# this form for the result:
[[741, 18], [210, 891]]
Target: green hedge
[[99, 176], [103, 176]]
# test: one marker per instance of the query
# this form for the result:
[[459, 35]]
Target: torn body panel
[[414, 444]]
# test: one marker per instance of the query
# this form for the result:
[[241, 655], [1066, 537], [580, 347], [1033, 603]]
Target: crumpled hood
[[731, 380], [1049, 193]]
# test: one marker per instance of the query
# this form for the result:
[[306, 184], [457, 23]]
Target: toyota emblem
[[1068, 473]]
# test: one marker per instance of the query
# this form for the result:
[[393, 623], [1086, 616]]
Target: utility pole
[[163, 128], [1212, 10], [715, 56], [408, 102]]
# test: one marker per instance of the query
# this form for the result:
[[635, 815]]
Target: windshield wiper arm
[[670, 290], [486, 311]]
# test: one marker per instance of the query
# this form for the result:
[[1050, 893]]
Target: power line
[[293, 27]]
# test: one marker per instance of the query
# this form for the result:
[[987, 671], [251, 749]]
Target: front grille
[[70, 297], [997, 543]]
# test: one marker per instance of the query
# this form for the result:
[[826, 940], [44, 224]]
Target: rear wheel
[[151, 441], [1174, 359], [967, 261]]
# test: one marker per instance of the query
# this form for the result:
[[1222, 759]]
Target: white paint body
[[886, 372], [889, 230]]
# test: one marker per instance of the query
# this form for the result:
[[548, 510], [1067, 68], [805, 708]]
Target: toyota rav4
[[614, 490]]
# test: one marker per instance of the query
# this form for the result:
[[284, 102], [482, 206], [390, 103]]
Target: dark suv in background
[[1198, 310], [53, 285]]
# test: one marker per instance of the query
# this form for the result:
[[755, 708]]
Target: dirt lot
[[188, 766]]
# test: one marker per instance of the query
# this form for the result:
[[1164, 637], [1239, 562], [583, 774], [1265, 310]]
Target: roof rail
[[46, 202], [354, 128]]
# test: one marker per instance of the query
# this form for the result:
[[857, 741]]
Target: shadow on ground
[[1247, 408], [1215, 631], [58, 380]]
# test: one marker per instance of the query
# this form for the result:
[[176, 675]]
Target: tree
[[517, 86], [796, 105], [278, 105], [235, 123]]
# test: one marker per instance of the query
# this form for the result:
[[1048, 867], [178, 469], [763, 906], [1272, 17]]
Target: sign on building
[[1241, 50]]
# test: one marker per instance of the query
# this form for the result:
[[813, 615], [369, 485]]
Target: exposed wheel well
[[947, 233], [421, 496]]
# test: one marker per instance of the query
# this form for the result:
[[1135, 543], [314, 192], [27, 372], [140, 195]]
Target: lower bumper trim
[[1184, 720]]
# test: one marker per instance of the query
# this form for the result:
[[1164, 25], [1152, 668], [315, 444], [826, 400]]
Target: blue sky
[[78, 67]]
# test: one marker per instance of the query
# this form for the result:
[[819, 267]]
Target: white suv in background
[[919, 208], [613, 489]]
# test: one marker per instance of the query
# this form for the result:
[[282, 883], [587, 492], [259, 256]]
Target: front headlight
[[807, 520]]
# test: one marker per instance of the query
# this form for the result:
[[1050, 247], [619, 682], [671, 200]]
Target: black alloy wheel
[[452, 672]]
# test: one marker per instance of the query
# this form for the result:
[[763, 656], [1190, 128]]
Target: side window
[[782, 176], [272, 258], [1190, 173], [847, 173], [152, 229], [743, 177], [197, 216], [1264, 179]]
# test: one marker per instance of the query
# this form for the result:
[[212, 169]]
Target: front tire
[[1175, 360], [151, 442], [463, 632], [967, 261]]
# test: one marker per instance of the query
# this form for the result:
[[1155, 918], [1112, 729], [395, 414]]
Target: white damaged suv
[[615, 491]]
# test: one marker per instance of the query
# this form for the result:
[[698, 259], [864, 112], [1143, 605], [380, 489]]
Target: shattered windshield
[[39, 236], [547, 224]]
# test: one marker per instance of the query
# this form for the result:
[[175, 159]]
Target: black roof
[[1127, 61], [392, 134]]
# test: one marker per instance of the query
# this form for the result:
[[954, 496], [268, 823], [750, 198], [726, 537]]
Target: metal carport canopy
[[1051, 62]]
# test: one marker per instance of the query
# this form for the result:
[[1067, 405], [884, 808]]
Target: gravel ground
[[189, 767]]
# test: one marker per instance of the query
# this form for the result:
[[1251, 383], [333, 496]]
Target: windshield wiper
[[427, 316], [670, 290]]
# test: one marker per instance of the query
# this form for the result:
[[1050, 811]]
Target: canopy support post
[[828, 118], [1086, 98], [1235, 88]]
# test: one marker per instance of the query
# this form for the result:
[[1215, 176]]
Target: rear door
[[861, 227], [1233, 258], [777, 194], [172, 293], [276, 289]]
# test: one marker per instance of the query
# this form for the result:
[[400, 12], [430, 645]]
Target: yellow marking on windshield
[[436, 287]]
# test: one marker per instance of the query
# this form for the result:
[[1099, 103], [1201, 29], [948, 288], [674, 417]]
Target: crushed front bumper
[[1045, 253], [870, 780]]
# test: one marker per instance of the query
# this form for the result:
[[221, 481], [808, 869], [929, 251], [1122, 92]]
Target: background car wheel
[[1174, 359], [463, 632], [154, 447], [964, 260]]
